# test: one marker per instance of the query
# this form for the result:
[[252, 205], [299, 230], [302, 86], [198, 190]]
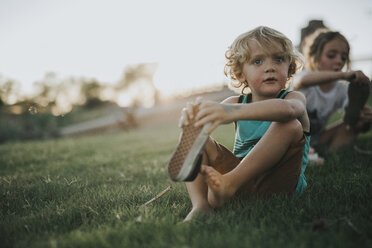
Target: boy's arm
[[187, 112], [279, 110]]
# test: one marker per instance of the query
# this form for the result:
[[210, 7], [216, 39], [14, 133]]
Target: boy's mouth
[[270, 79]]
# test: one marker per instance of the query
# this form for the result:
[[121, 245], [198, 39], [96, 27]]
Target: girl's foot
[[218, 189]]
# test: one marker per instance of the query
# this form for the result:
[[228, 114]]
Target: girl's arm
[[321, 77], [279, 110]]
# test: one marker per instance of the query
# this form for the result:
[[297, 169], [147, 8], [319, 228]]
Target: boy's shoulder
[[294, 94], [231, 100]]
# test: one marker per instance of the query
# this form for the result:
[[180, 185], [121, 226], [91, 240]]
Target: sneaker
[[314, 157], [358, 95], [362, 151], [185, 162]]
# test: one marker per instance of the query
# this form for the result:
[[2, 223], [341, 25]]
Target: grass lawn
[[88, 192]]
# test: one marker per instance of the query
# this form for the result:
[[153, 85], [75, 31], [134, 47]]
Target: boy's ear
[[240, 77], [291, 69]]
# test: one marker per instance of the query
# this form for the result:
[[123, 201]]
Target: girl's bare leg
[[337, 136], [267, 152], [198, 189]]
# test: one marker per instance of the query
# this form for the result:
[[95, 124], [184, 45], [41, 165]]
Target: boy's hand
[[214, 113], [187, 114]]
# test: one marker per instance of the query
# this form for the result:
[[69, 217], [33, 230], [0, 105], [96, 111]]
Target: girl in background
[[328, 88]]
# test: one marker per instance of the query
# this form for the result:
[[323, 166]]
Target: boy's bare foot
[[218, 188], [196, 212]]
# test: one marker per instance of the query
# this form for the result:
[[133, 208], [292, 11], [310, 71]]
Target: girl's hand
[[214, 113], [364, 118], [366, 114], [349, 75], [357, 77]]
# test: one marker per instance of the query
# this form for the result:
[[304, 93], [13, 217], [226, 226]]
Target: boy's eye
[[257, 61], [278, 59]]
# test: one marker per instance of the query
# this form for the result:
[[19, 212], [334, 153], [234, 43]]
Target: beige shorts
[[280, 178]]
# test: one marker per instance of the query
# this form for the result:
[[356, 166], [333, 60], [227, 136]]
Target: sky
[[187, 39]]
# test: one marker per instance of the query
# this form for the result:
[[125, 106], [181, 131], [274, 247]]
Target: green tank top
[[248, 133]]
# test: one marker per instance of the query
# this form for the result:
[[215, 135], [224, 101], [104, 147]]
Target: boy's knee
[[293, 127]]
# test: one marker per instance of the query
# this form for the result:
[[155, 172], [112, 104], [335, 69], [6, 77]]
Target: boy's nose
[[269, 67]]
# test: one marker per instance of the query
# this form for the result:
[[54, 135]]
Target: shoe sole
[[358, 95], [185, 162]]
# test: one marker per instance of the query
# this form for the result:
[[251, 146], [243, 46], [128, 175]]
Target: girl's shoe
[[358, 95], [185, 162], [314, 157], [362, 151]]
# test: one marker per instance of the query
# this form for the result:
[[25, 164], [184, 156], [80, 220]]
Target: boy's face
[[266, 74], [333, 56]]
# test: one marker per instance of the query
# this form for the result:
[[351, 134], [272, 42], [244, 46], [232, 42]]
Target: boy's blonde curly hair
[[271, 42]]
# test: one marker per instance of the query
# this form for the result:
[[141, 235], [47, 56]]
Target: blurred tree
[[138, 80], [91, 91], [9, 91], [46, 90], [134, 72], [59, 96]]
